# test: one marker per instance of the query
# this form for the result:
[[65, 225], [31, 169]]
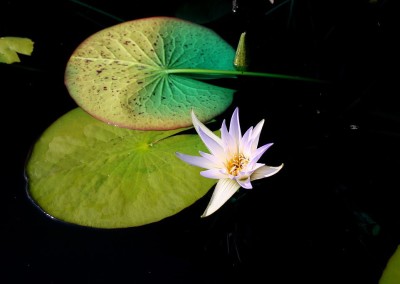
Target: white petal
[[195, 161], [199, 125], [246, 142], [257, 155], [257, 166], [214, 160], [265, 171], [234, 127], [247, 134], [227, 139], [224, 190], [249, 171], [256, 135], [214, 146], [214, 174], [224, 132]]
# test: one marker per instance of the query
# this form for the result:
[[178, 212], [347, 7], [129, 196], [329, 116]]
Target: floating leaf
[[128, 74], [86, 172], [10, 46], [391, 274]]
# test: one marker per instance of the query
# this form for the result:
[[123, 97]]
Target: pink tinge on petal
[[215, 148], [195, 161], [256, 135], [257, 155], [214, 160], [245, 183], [234, 126], [229, 142], [246, 142], [214, 174]]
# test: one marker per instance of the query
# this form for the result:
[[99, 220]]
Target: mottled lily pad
[[86, 172], [129, 74]]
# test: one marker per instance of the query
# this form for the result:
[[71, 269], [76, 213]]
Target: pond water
[[330, 216]]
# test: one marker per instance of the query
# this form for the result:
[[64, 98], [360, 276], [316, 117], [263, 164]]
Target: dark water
[[331, 216]]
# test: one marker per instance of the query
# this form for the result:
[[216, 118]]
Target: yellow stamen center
[[236, 164]]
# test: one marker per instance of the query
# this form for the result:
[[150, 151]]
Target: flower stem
[[240, 73]]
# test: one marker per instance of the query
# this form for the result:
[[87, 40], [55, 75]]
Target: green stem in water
[[97, 10], [241, 73]]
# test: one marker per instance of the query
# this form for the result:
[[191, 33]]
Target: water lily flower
[[233, 159]]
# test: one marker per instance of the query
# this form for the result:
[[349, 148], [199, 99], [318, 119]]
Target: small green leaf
[[10, 46], [86, 172], [125, 74], [391, 274]]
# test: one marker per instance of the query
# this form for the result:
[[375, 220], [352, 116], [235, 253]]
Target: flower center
[[236, 164]]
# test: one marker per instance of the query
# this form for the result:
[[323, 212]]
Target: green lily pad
[[86, 172], [391, 274], [129, 74], [11, 46]]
